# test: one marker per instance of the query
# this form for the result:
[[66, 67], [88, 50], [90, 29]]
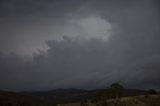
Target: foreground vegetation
[[16, 99], [115, 96], [150, 100]]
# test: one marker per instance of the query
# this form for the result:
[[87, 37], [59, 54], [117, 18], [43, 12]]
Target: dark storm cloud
[[23, 21], [131, 55], [14, 7], [79, 64], [137, 38]]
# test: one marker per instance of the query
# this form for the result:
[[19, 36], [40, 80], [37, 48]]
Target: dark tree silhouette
[[116, 89], [151, 92]]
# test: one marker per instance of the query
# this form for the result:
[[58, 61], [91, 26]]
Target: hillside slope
[[151, 100]]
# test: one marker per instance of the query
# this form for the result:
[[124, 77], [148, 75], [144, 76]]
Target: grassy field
[[149, 100]]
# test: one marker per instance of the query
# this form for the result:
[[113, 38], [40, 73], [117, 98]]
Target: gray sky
[[49, 44]]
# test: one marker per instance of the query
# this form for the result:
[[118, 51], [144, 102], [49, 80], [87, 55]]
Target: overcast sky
[[89, 44]]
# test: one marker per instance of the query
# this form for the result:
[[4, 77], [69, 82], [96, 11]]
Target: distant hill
[[62, 95], [71, 94]]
